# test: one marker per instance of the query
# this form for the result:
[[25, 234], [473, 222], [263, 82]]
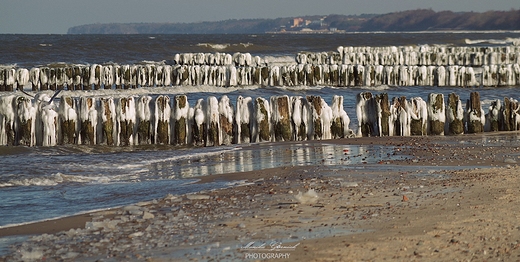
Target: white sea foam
[[214, 45], [60, 178], [506, 41]]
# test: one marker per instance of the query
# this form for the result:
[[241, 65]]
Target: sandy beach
[[450, 198]]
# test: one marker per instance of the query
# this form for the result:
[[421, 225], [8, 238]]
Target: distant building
[[297, 22]]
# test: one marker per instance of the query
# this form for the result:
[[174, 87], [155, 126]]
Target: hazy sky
[[56, 16]]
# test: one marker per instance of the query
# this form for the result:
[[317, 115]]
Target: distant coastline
[[412, 20]]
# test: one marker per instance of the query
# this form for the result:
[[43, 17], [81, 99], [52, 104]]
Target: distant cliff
[[412, 20]]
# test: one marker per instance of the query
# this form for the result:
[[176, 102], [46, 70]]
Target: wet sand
[[452, 198]]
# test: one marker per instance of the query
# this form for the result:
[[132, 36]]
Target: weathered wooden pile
[[402, 117]]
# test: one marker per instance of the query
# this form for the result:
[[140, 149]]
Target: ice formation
[[423, 65]]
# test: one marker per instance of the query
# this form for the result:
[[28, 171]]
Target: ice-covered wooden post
[[52, 78], [243, 118], [125, 112], [367, 114], [321, 118], [134, 77], [199, 125], [46, 126], [383, 120], [77, 76], [108, 121], [61, 78], [88, 120], [162, 120], [108, 77], [436, 114], [300, 118], [68, 117], [34, 78], [401, 116], [226, 120], [10, 79], [25, 122], [418, 116], [180, 117], [262, 124], [281, 118], [2, 78], [510, 115], [22, 78], [340, 120], [493, 117], [213, 122], [475, 116], [144, 120], [8, 107], [454, 115]]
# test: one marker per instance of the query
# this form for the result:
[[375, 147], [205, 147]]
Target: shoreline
[[338, 211]]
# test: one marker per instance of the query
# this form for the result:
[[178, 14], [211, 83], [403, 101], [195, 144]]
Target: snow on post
[[118, 76], [226, 120], [125, 120], [321, 118], [108, 77], [418, 117], [475, 116], [34, 78], [180, 117], [68, 118], [144, 120], [167, 75], [493, 116], [3, 71], [199, 126], [383, 114], [25, 122], [22, 78], [436, 114], [262, 130], [85, 76], [88, 120], [367, 115], [108, 121], [244, 119], [46, 126], [77, 79], [454, 115], [402, 123], [162, 120], [10, 79], [340, 120], [7, 119], [96, 72], [300, 118], [213, 122]]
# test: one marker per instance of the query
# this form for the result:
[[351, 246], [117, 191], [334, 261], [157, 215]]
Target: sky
[[56, 16]]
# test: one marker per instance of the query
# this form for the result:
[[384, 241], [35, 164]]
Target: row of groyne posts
[[423, 65], [138, 120]]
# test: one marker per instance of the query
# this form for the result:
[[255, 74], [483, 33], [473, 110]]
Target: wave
[[198, 154], [506, 41], [59, 178], [216, 46]]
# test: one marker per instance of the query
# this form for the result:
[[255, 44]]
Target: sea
[[41, 183]]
